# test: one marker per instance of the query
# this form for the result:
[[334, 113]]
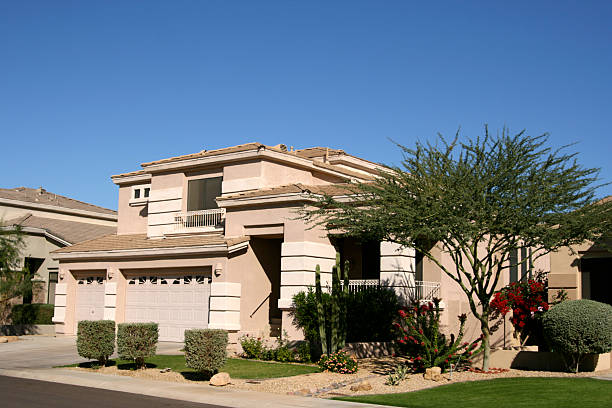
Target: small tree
[[13, 277], [475, 201]]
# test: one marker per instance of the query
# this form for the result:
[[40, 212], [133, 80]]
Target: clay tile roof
[[216, 152], [343, 170], [70, 231], [41, 196], [140, 241], [329, 189], [131, 173], [318, 151]]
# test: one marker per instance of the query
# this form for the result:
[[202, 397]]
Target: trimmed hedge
[[137, 341], [578, 327], [205, 350], [35, 313], [96, 339]]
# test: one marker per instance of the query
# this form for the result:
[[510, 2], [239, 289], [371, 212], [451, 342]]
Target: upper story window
[[201, 193], [140, 194]]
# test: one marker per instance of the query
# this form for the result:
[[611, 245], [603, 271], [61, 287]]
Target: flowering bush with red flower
[[528, 301], [419, 338], [338, 362]]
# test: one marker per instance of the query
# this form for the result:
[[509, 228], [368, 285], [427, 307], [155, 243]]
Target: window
[[201, 193], [51, 290], [140, 195], [523, 261]]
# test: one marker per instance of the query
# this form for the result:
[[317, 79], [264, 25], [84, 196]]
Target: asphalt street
[[21, 392]]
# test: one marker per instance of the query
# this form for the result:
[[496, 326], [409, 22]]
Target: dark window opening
[[51, 289], [201, 193], [513, 260], [30, 268], [136, 193], [147, 191]]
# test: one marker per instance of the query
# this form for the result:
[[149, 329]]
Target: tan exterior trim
[[56, 209], [151, 252]]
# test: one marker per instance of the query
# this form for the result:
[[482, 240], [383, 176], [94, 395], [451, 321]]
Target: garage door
[[90, 298], [176, 303]]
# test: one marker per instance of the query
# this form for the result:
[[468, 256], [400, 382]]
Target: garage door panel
[[180, 304], [90, 298]]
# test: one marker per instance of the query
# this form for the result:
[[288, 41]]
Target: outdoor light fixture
[[218, 269]]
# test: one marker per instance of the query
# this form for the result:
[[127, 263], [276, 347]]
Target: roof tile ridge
[[79, 201]]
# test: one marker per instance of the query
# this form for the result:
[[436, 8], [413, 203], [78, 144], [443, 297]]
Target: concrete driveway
[[50, 351]]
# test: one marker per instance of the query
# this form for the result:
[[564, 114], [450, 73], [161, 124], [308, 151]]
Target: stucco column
[[298, 265], [224, 305], [398, 269], [65, 302], [110, 294]]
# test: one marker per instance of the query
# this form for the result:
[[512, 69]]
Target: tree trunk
[[486, 339]]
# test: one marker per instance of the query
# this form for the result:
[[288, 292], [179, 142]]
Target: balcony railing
[[192, 220], [420, 290]]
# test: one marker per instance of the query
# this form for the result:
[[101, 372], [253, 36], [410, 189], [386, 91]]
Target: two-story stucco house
[[49, 221], [212, 239]]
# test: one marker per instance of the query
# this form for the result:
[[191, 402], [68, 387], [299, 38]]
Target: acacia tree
[[476, 200]]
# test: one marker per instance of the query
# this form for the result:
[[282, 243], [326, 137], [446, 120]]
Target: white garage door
[[175, 302], [90, 298]]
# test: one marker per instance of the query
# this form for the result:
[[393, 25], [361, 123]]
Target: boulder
[[3, 340], [220, 379], [433, 373], [362, 386]]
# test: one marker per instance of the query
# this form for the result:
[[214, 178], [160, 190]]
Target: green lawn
[[504, 392], [236, 367]]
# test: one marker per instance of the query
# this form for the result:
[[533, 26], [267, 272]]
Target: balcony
[[199, 221], [421, 290]]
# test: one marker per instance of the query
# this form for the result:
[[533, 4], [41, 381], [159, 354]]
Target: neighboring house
[[584, 271], [213, 239], [49, 222]]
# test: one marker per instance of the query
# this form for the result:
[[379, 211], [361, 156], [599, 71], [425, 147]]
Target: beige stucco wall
[[130, 219]]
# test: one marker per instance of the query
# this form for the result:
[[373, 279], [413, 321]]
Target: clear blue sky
[[94, 88]]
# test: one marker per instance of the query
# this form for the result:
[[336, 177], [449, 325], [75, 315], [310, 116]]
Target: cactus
[[336, 338]]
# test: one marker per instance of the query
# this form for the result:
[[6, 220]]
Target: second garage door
[[176, 303]]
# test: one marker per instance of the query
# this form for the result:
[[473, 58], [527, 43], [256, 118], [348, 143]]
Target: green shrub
[[96, 339], [137, 341], [35, 313], [578, 327], [303, 352], [252, 347], [205, 350], [338, 362], [370, 315], [371, 312]]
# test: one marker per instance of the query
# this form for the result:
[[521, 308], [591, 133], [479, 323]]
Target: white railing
[[355, 285], [185, 221], [426, 290], [420, 290]]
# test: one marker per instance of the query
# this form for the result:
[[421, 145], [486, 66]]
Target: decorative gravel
[[327, 385]]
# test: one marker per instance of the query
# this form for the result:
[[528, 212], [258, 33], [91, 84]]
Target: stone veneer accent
[[224, 306], [298, 265]]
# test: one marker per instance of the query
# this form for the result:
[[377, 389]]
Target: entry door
[[90, 298], [176, 303]]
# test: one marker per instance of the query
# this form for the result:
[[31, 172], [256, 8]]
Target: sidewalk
[[202, 393]]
